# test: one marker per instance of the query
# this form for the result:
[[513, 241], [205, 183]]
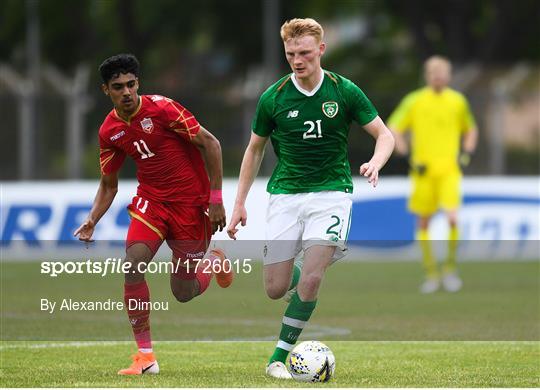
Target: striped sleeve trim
[[331, 77], [190, 125], [105, 160], [283, 83]]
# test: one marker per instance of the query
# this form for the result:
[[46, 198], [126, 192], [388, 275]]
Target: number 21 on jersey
[[314, 129]]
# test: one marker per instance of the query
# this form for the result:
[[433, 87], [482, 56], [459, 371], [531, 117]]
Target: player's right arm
[[262, 126], [399, 122], [108, 187], [110, 161], [248, 171]]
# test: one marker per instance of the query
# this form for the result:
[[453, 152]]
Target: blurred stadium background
[[216, 57]]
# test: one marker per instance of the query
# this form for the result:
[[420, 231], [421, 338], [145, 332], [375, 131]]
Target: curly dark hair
[[120, 63]]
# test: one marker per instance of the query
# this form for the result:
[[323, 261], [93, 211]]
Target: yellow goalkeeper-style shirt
[[436, 122]]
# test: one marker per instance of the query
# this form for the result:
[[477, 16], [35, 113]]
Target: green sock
[[294, 320], [453, 241], [297, 270]]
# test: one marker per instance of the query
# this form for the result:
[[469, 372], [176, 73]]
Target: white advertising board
[[500, 218]]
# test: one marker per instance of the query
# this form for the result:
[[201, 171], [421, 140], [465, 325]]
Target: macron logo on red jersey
[[118, 135]]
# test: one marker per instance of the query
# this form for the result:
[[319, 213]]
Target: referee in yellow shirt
[[443, 135]]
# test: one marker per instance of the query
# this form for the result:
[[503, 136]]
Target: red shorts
[[187, 229]]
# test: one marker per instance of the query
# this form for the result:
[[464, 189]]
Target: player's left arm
[[470, 140], [384, 146], [399, 122], [468, 146], [470, 135], [365, 114], [210, 149]]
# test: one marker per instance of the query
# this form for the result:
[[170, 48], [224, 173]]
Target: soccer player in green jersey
[[307, 115]]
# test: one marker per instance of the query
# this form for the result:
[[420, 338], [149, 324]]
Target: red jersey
[[157, 137]]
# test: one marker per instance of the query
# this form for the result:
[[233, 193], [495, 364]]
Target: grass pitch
[[357, 302], [241, 364], [382, 331]]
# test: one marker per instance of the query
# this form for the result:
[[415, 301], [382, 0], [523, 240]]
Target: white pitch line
[[81, 344], [312, 331], [76, 344]]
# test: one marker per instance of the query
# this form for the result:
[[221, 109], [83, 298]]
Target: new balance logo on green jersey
[[292, 114]]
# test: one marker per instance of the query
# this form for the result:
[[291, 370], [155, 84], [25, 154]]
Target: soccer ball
[[312, 361]]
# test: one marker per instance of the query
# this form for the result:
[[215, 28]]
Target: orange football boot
[[225, 276], [143, 363]]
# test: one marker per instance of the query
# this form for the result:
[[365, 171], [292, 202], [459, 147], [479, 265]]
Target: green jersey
[[309, 132]]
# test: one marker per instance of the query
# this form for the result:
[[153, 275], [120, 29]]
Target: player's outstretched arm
[[248, 171], [384, 146], [210, 148], [401, 146], [108, 187]]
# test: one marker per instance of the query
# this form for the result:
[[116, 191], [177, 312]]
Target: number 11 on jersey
[[144, 155]]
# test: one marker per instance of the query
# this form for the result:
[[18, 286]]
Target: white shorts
[[294, 222]]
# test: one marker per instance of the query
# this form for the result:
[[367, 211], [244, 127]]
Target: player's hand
[[239, 215], [464, 160], [371, 171], [216, 213], [85, 231]]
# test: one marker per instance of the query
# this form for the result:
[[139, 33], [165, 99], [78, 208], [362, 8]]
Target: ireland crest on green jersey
[[330, 109]]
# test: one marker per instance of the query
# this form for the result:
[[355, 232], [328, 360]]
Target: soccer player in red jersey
[[178, 199]]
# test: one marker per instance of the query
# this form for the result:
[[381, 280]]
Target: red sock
[[139, 318], [203, 274], [204, 279]]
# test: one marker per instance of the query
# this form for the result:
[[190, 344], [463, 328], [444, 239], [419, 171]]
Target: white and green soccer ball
[[312, 361]]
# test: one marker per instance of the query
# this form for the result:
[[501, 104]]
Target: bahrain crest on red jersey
[[147, 125]]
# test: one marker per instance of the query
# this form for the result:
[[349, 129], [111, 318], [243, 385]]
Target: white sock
[[145, 350]]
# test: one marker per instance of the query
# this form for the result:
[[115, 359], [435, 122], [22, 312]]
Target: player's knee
[[183, 292], [310, 283], [132, 272], [183, 296], [275, 287], [133, 266], [275, 291], [137, 256], [275, 294], [452, 220], [139, 252], [423, 223]]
